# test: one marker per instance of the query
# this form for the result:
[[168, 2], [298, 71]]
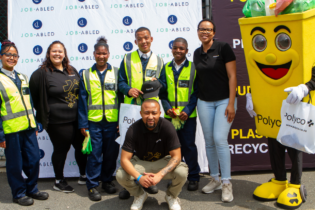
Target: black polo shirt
[[212, 78], [151, 145]]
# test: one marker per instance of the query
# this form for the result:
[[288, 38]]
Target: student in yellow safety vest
[[99, 101], [179, 102], [18, 130]]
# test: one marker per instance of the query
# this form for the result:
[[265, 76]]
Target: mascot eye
[[259, 43], [283, 42]]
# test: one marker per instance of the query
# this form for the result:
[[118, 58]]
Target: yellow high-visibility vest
[[179, 94], [96, 93], [16, 109]]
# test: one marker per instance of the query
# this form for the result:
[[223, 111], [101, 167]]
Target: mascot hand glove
[[297, 93], [249, 105]]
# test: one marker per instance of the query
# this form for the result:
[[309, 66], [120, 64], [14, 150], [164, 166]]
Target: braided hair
[[6, 45]]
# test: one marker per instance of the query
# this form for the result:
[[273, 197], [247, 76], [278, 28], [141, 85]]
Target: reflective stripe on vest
[[135, 76], [16, 109], [179, 93], [96, 108]]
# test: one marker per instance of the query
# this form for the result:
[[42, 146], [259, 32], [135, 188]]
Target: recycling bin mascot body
[[280, 56]]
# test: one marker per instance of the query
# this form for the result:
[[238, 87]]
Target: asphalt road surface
[[243, 186]]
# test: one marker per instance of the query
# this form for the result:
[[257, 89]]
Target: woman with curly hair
[[55, 87]]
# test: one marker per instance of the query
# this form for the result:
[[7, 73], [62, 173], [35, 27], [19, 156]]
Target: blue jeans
[[216, 130]]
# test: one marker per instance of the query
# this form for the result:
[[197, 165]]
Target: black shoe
[[82, 180], [151, 190], [63, 186], [169, 184], [193, 185], [24, 201], [124, 194], [109, 187], [39, 195], [94, 195]]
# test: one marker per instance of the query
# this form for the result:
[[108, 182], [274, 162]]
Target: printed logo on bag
[[37, 24], [171, 44], [310, 123], [295, 119], [82, 22], [37, 50], [37, 1], [82, 48], [40, 127], [127, 21], [128, 46], [41, 153], [172, 19]]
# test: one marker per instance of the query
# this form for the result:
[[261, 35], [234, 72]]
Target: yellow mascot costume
[[280, 56]]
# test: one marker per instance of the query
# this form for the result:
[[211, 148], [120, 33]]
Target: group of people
[[72, 105]]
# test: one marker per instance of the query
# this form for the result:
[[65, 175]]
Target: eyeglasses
[[205, 30], [9, 55]]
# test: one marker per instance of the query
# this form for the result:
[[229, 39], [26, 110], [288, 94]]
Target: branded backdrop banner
[[249, 150], [34, 24]]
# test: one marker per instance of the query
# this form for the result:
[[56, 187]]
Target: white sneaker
[[212, 186], [173, 203], [138, 202], [227, 192]]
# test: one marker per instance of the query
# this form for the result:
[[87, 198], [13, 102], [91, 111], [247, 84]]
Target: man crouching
[[157, 156]]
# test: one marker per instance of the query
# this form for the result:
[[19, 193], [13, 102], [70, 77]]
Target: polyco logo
[[171, 44], [37, 50], [37, 1], [295, 119], [310, 123], [82, 22], [82, 48], [127, 21], [128, 46], [37, 24], [172, 19]]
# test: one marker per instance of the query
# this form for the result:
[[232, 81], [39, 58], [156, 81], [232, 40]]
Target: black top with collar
[[212, 78], [151, 145]]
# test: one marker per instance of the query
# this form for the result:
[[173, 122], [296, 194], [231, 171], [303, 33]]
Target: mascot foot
[[270, 191], [292, 197]]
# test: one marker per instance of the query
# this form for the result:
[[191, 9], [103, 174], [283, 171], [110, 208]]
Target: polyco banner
[[34, 24]]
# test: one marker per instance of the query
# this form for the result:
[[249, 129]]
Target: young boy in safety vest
[[179, 102], [18, 130]]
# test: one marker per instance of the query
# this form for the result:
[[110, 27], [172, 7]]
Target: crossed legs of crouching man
[[178, 177]]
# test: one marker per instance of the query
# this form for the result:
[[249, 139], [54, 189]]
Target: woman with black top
[[216, 77], [55, 87]]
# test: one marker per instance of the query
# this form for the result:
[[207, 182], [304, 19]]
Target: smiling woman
[[55, 87]]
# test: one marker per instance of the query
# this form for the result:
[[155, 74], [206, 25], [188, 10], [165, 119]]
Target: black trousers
[[277, 160], [62, 137]]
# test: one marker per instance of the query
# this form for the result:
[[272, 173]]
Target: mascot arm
[[249, 105]]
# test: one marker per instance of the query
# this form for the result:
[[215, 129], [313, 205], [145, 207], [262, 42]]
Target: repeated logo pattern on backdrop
[[78, 23]]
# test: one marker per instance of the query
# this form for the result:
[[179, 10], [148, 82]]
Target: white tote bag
[[298, 126]]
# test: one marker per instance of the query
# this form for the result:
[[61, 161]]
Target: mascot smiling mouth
[[274, 72]]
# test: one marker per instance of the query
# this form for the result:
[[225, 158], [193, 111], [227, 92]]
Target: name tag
[[216, 56], [72, 75], [150, 73], [25, 91], [109, 86], [183, 83]]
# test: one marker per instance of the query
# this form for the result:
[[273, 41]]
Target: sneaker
[[82, 180], [109, 187], [24, 201], [138, 201], [173, 203], [63, 186], [227, 192], [94, 195], [212, 186]]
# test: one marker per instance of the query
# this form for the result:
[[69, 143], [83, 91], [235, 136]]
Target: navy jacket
[[83, 98], [16, 81], [123, 82], [193, 98]]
